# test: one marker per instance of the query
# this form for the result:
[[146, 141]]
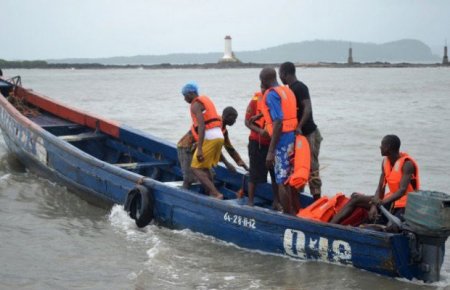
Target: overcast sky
[[46, 29]]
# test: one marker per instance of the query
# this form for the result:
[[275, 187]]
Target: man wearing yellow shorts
[[206, 129]]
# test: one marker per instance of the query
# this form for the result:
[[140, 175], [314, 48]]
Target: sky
[[53, 29]]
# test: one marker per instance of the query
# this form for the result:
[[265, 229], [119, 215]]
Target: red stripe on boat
[[65, 112]]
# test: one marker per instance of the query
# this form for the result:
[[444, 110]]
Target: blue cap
[[190, 87]]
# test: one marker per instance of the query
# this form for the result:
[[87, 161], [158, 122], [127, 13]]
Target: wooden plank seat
[[83, 137], [140, 165]]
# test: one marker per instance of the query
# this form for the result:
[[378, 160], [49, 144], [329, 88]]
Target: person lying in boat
[[207, 132], [399, 171], [187, 144]]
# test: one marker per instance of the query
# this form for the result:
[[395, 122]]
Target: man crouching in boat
[[399, 171], [206, 128]]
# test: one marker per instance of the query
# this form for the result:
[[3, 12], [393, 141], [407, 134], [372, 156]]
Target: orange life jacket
[[324, 208], [302, 163], [210, 116], [393, 176], [259, 100], [288, 106]]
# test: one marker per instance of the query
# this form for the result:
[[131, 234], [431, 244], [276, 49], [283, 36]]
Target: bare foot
[[277, 206], [250, 203], [217, 195]]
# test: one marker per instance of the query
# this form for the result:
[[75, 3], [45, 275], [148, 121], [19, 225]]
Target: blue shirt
[[273, 101]]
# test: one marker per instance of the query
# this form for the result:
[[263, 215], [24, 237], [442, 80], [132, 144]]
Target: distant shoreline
[[237, 65]]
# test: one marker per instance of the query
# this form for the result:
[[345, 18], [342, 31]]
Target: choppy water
[[52, 239]]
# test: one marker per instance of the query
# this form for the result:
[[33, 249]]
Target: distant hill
[[406, 50]]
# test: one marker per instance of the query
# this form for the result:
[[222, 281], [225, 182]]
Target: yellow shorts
[[211, 152]]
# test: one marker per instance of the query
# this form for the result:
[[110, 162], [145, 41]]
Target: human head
[[1, 73], [268, 77], [190, 91], [390, 145], [287, 72], [229, 116]]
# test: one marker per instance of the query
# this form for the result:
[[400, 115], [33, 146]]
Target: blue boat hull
[[256, 228]]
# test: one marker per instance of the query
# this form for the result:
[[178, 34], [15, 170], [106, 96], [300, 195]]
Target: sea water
[[52, 239]]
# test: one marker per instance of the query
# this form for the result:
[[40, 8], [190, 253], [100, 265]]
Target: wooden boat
[[111, 163]]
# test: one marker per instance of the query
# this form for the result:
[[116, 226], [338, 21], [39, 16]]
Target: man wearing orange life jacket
[[207, 127], [399, 171], [258, 146], [188, 143], [279, 109]]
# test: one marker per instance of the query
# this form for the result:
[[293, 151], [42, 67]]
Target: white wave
[[153, 251], [123, 223], [443, 283], [5, 177]]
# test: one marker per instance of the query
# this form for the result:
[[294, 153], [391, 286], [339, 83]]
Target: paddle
[[392, 218]]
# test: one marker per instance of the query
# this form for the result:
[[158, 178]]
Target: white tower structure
[[228, 55]]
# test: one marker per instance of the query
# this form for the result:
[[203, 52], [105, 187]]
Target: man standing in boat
[[258, 146], [399, 171], [306, 125], [187, 144], [280, 114], [207, 131]]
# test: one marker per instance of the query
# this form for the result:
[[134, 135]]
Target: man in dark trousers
[[306, 125]]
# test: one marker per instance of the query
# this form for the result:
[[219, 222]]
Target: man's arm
[[379, 194], [251, 117], [408, 171], [197, 109], [228, 165], [306, 103], [270, 159], [233, 153], [273, 101]]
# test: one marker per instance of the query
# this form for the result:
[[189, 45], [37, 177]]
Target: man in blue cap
[[206, 130]]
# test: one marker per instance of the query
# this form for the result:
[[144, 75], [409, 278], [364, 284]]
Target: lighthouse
[[350, 55], [445, 59], [228, 55]]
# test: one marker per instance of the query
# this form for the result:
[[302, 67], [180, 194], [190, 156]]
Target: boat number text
[[297, 244], [240, 220]]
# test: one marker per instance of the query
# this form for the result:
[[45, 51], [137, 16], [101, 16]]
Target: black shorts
[[257, 154]]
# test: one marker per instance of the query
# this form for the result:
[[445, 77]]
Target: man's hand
[[375, 201], [270, 160], [255, 117], [264, 133], [200, 157], [373, 212], [243, 165]]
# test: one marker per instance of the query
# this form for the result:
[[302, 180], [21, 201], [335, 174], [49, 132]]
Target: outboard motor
[[428, 217]]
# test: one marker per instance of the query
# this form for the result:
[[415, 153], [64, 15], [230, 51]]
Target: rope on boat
[[21, 106]]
